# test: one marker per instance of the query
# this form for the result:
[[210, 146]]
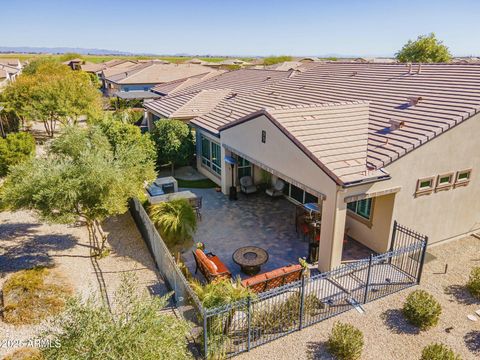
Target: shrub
[[473, 284], [438, 352], [176, 220], [345, 342], [14, 149], [422, 310], [281, 316], [29, 296], [174, 142], [136, 328]]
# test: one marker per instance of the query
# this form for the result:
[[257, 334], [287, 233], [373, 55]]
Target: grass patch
[[196, 184], [29, 296]]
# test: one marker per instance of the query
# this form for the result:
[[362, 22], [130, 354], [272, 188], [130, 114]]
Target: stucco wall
[[201, 168], [375, 235], [442, 215]]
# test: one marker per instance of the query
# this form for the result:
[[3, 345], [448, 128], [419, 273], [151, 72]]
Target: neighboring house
[[371, 143], [145, 75], [9, 70], [74, 64], [189, 98]]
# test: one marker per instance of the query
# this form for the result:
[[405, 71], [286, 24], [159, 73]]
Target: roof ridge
[[313, 105]]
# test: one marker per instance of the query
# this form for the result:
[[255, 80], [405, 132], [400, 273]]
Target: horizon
[[345, 29]]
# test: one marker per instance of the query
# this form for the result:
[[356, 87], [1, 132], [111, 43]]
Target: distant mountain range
[[61, 50]]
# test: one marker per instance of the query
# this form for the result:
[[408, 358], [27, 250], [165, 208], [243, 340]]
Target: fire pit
[[250, 259]]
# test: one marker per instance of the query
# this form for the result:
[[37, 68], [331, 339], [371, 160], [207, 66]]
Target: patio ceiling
[[277, 173]]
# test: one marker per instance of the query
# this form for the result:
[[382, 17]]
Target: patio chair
[[247, 186], [197, 206], [277, 189]]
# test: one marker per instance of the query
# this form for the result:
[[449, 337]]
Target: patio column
[[226, 171], [334, 211]]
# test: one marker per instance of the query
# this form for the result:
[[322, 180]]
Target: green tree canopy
[[271, 60], [50, 92], [137, 328], [174, 142], [82, 177], [427, 48], [14, 149]]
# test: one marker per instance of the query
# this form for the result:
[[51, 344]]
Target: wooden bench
[[210, 266], [275, 278]]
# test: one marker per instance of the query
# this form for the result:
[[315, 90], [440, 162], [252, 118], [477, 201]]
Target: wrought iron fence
[[238, 327]]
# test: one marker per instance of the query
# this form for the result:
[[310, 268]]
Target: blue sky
[[302, 27]]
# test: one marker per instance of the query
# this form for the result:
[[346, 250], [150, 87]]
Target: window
[[463, 177], [298, 195], [361, 208], [244, 167], [211, 155], [425, 186], [444, 181]]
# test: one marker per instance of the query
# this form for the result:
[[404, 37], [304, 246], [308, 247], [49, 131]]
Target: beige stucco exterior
[[442, 215]]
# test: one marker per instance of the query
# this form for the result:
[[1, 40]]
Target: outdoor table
[[250, 259]]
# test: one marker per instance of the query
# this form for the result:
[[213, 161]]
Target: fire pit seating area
[[213, 268]]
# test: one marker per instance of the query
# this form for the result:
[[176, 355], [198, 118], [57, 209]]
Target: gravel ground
[[387, 335], [24, 243]]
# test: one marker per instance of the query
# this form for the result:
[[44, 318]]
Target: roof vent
[[268, 78], [396, 124], [355, 73], [233, 95], [414, 100]]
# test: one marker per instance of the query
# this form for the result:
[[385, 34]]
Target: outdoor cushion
[[254, 280], [221, 267], [201, 256]]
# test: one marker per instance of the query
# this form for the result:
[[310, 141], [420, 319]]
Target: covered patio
[[255, 220]]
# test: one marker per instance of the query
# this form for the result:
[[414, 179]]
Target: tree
[[137, 328], [272, 60], [174, 142], [50, 92], [427, 48], [175, 219], [14, 149], [81, 178]]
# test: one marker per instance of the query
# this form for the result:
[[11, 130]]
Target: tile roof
[[239, 82], [202, 103], [333, 135], [157, 73], [178, 85], [448, 93]]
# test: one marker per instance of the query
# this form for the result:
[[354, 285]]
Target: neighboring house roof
[[286, 66], [16, 63], [427, 103], [156, 73], [111, 64], [333, 135], [239, 82], [178, 85], [136, 95]]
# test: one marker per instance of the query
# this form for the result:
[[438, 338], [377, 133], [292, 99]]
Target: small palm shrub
[[473, 284], [438, 352], [345, 342], [176, 220], [422, 309]]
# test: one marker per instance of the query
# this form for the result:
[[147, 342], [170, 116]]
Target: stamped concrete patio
[[254, 220]]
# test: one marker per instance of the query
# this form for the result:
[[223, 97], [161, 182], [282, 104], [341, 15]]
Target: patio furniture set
[[250, 258], [248, 187]]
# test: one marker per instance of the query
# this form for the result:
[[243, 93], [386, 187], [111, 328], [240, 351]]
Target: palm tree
[[176, 220]]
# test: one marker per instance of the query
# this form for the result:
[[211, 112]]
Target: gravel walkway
[[24, 243], [387, 335]]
